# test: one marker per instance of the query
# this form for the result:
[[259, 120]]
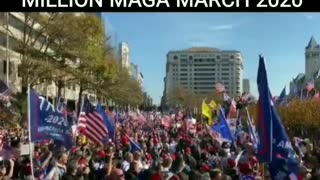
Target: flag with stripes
[[91, 123], [220, 88], [5, 92], [226, 97], [310, 86]]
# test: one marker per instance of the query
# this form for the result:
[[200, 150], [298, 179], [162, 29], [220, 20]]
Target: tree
[[301, 118]]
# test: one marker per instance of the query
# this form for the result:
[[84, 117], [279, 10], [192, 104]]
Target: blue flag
[[264, 115], [239, 128], [223, 128], [47, 122], [282, 98], [107, 121], [284, 162], [252, 132], [134, 145]]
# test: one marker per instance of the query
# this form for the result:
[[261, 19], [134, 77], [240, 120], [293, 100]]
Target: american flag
[[310, 86], [91, 123], [226, 97], [5, 92], [220, 88], [233, 109]]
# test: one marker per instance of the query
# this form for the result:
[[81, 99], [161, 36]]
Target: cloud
[[222, 27], [205, 40], [309, 16]]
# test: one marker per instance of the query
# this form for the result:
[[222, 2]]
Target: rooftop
[[312, 43], [204, 50]]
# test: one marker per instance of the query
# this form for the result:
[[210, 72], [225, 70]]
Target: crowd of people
[[159, 147]]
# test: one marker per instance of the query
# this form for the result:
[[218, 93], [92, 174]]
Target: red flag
[[310, 86]]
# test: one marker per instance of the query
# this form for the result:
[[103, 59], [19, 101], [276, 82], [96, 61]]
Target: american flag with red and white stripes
[[5, 92], [310, 86], [91, 123], [220, 88]]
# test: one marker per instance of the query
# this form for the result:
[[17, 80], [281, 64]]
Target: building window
[[205, 69], [16, 23], [183, 61], [19, 70], [183, 74], [183, 69], [183, 79], [205, 79], [218, 57], [175, 57], [225, 74], [5, 67], [204, 74], [232, 57]]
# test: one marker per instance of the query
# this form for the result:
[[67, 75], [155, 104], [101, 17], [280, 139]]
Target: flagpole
[[77, 130], [29, 133], [7, 49]]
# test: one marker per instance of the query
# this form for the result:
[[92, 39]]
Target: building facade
[[246, 85], [312, 69], [14, 21], [124, 55], [200, 69], [312, 59], [136, 74]]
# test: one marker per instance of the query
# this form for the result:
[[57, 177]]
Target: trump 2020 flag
[[47, 122], [223, 128], [284, 163], [264, 115], [107, 121]]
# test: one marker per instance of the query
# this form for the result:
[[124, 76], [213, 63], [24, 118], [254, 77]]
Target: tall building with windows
[[200, 69], [246, 85], [124, 55], [136, 73]]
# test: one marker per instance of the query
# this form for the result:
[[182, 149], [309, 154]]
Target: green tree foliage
[[71, 48]]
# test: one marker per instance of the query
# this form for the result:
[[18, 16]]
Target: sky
[[280, 37]]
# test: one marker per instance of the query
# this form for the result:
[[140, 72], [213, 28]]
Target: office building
[[200, 69], [136, 74], [246, 86], [8, 41], [124, 55]]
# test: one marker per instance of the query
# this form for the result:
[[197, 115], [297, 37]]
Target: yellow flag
[[213, 105], [207, 112]]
